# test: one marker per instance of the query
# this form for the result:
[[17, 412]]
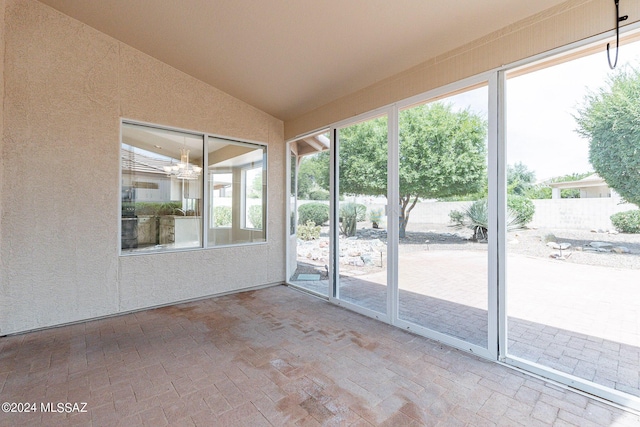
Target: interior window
[[237, 187]]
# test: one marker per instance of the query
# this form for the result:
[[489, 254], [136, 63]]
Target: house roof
[[593, 180], [289, 57]]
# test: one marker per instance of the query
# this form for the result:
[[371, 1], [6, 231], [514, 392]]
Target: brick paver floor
[[579, 319], [272, 357]]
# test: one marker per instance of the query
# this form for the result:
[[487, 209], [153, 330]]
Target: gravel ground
[[528, 242], [533, 242]]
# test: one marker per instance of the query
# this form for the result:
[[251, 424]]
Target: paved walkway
[[273, 357], [579, 319]]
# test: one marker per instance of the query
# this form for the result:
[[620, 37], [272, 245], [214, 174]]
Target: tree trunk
[[405, 211]]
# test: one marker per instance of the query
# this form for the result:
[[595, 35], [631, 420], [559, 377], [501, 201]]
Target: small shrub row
[[627, 222], [318, 213], [255, 216], [308, 231], [222, 216]]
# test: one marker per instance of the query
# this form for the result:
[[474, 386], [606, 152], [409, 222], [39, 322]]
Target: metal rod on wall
[[618, 20]]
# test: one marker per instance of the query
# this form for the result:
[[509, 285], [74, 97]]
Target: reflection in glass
[[161, 189], [237, 192]]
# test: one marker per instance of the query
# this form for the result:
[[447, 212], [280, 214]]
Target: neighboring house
[[592, 186]]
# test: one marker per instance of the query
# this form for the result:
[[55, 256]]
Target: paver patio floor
[[272, 357], [579, 319]]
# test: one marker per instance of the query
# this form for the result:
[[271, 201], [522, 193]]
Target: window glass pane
[[309, 201], [443, 235], [237, 192], [573, 270], [362, 189], [161, 189], [253, 198], [293, 192]]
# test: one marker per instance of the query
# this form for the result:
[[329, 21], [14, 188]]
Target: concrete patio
[[272, 357]]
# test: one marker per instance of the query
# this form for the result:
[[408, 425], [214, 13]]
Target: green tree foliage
[[610, 120], [255, 192], [313, 177], [442, 154], [255, 216], [519, 179], [222, 216]]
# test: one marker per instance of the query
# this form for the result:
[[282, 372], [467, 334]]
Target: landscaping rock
[[601, 245], [620, 250], [549, 238]]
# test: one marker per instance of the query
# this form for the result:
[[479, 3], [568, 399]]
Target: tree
[[313, 174], [610, 120], [519, 179], [442, 154]]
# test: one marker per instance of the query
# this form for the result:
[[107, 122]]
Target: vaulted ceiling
[[287, 57]]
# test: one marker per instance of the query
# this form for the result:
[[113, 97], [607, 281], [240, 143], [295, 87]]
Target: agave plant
[[476, 218]]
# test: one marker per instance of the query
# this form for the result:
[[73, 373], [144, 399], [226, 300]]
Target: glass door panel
[[443, 235], [361, 247], [310, 222], [573, 272]]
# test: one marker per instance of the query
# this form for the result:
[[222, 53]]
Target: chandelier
[[183, 169]]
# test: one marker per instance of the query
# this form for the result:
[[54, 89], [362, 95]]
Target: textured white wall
[[67, 86]]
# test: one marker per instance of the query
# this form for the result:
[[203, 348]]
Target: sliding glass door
[[443, 220], [361, 229], [573, 269], [499, 215]]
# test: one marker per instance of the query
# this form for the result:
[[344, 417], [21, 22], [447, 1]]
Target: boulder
[[620, 250], [601, 245]]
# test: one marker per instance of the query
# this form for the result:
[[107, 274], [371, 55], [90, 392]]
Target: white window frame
[[205, 217]]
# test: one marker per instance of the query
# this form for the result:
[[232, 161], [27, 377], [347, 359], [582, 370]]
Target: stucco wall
[[2, 5], [566, 23], [583, 214], [67, 86]]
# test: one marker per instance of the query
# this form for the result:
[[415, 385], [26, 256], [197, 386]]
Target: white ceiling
[[287, 57]]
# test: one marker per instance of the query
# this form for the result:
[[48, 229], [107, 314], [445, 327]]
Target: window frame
[[204, 183]]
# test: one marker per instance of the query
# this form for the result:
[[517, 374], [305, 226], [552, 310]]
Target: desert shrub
[[375, 215], [316, 212], [222, 216], [476, 216], [456, 217], [349, 208], [350, 214], [320, 194], [255, 216], [521, 208], [627, 222], [308, 231]]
